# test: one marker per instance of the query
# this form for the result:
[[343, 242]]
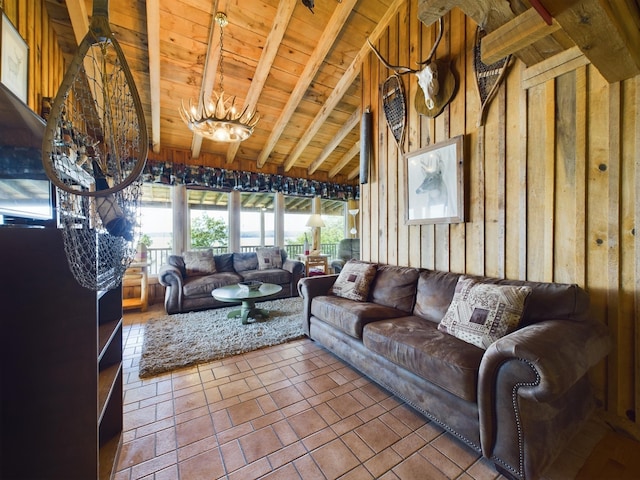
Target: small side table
[[136, 276], [315, 262]]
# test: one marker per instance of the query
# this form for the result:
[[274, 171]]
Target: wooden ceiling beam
[[269, 52], [489, 14], [515, 35], [79, 18], [350, 74], [344, 161], [346, 128], [153, 36], [605, 31], [354, 173], [553, 67], [328, 38]]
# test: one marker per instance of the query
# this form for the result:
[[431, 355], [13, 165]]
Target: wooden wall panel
[[552, 188], [457, 124]]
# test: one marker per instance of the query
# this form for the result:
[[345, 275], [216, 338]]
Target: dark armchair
[[348, 249]]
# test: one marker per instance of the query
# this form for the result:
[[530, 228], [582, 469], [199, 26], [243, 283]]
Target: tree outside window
[[208, 231]]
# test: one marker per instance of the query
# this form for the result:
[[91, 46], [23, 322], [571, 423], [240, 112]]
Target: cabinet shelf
[[106, 333], [106, 386], [80, 333]]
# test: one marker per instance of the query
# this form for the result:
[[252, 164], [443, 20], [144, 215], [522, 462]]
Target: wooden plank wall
[[553, 185], [46, 63]]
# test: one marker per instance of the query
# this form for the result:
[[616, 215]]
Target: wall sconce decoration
[[353, 212]]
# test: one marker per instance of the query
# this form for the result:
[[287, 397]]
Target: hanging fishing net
[[94, 150]]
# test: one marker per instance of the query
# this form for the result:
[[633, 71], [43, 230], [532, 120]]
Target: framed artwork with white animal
[[14, 62], [434, 183]]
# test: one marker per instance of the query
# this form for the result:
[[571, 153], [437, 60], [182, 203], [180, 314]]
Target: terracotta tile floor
[[292, 411]]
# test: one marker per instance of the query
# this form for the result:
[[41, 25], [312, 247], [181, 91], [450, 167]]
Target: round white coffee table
[[234, 293]]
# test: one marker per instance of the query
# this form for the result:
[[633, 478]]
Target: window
[[208, 219], [156, 222], [257, 222]]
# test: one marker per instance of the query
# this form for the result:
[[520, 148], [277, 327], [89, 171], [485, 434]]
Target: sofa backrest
[[434, 293], [547, 301], [224, 262], [395, 287], [245, 261]]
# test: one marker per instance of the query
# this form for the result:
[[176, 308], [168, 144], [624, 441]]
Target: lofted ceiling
[[300, 70]]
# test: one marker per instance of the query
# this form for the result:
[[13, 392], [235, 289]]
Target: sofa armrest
[[561, 352], [532, 383], [310, 287], [295, 267], [171, 278], [168, 275]]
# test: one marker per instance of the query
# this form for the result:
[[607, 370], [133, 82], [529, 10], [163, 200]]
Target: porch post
[[180, 219], [234, 221]]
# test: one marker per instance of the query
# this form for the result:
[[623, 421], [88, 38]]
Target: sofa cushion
[[482, 313], [419, 346], [245, 261], [274, 275], [269, 257], [199, 262], [348, 315], [354, 280], [434, 294], [203, 285], [395, 287], [224, 262]]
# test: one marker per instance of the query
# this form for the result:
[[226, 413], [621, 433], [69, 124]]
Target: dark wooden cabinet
[[61, 364]]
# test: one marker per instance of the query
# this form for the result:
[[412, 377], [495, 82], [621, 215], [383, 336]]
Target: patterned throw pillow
[[481, 313], [269, 257], [354, 280], [199, 262]]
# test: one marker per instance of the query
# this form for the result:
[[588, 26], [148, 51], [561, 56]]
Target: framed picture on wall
[[434, 183], [14, 63]]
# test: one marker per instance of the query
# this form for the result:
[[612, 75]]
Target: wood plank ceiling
[[301, 70]]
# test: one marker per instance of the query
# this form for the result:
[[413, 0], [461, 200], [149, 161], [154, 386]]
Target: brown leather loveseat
[[190, 278], [517, 399]]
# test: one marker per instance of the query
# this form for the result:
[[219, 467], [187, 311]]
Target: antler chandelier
[[218, 119]]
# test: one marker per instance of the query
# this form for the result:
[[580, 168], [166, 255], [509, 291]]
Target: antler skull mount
[[429, 77]]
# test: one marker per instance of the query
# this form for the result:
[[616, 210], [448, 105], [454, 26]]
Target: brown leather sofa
[[186, 293], [518, 402]]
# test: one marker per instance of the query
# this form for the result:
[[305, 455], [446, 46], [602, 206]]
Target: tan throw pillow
[[354, 280], [269, 257], [199, 262], [481, 313]]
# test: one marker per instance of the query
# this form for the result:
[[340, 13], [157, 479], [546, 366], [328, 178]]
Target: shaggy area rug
[[185, 339]]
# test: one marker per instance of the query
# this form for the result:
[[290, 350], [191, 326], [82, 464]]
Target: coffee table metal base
[[248, 310], [247, 298]]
